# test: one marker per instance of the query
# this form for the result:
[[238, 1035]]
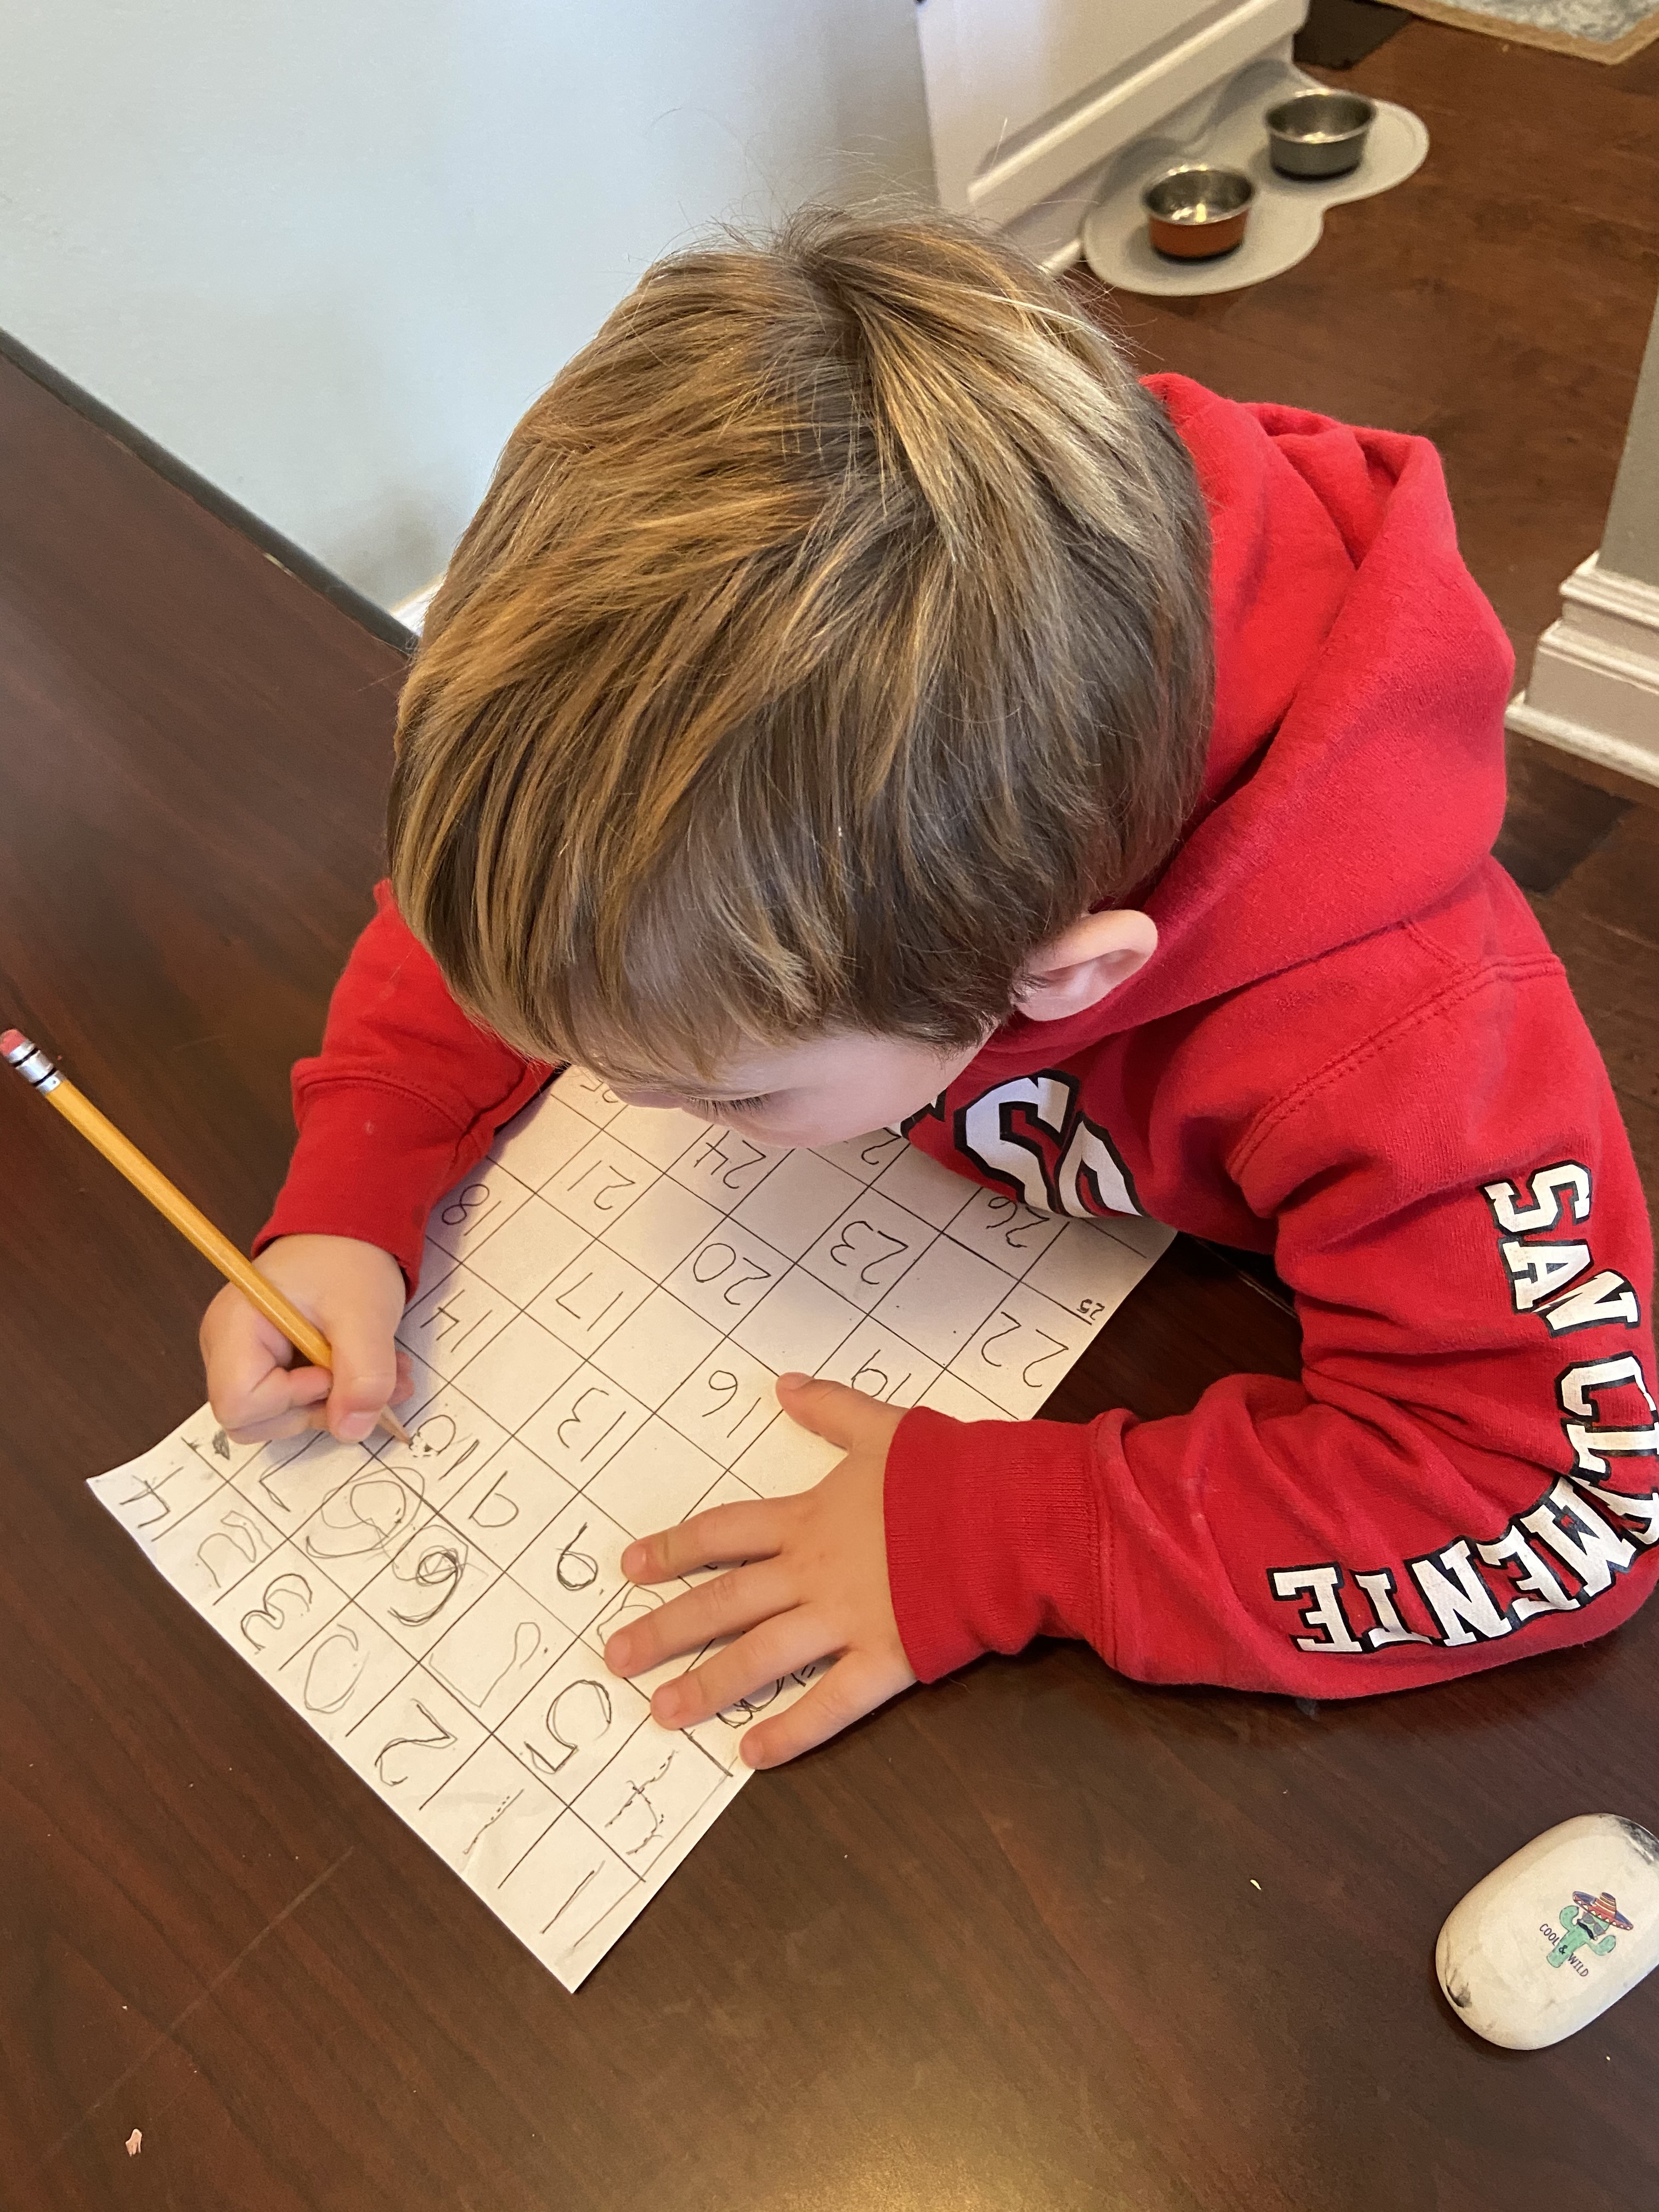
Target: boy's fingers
[[724, 1533], [854, 1685], [270, 1432], [731, 1602], [240, 1347], [755, 1661], [365, 1375], [277, 1393], [840, 1415]]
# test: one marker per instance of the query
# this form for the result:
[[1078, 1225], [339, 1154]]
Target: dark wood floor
[[1498, 303]]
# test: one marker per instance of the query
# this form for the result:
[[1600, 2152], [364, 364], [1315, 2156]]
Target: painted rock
[[1556, 1934]]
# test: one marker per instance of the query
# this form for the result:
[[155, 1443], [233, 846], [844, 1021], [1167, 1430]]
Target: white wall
[[326, 251]]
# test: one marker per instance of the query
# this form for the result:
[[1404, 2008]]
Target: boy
[[859, 701]]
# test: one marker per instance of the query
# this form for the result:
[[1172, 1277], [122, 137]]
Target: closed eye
[[730, 1105]]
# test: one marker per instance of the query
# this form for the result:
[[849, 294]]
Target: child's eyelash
[[731, 1105]]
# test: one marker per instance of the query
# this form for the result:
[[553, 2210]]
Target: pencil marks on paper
[[606, 1305]]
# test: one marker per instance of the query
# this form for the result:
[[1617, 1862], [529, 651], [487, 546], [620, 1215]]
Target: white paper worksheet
[[604, 1306]]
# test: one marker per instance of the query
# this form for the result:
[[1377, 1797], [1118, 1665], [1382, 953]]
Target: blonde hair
[[835, 632]]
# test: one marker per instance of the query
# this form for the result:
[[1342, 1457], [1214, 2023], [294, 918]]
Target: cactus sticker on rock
[[1589, 1923]]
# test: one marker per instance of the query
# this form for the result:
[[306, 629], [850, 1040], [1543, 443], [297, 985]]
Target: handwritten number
[[527, 1643], [239, 1533], [1036, 1358], [985, 1348], [880, 1387], [371, 1524], [1000, 1204], [841, 1251], [587, 1320], [440, 1739], [575, 1417], [703, 1271], [621, 1182], [467, 1201], [439, 1568], [1042, 1358], [734, 1171], [733, 1176], [495, 1519], [699, 1274], [576, 1570], [724, 1386], [316, 1697], [587, 1718], [273, 1611], [145, 1488]]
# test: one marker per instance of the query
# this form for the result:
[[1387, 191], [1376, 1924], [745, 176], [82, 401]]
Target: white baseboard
[[1594, 685], [411, 612]]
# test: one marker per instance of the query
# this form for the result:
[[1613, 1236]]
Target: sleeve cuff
[[994, 1535], [370, 1162]]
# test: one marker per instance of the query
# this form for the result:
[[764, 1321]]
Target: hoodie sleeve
[[406, 1095], [1466, 1471]]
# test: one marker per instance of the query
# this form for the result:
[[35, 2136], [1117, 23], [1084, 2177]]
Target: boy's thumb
[[365, 1376]]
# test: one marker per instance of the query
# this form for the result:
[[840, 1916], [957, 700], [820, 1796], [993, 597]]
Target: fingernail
[[618, 1652], [793, 1381], [354, 1427], [669, 1703], [633, 1559]]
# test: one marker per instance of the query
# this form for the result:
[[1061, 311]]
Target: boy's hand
[[813, 1585], [355, 1293]]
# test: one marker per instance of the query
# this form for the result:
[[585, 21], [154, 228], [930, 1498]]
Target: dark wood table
[[1036, 1938]]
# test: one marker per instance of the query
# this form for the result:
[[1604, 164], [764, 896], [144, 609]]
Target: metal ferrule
[[33, 1064]]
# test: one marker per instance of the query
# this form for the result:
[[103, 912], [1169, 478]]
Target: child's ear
[[1077, 969]]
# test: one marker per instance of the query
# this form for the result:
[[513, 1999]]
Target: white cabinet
[[1028, 99]]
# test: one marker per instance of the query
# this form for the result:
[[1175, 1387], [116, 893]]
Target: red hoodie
[[1353, 1050]]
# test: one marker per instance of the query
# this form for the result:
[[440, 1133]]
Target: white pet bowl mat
[[1288, 213]]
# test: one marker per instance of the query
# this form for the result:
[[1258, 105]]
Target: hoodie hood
[[1355, 775]]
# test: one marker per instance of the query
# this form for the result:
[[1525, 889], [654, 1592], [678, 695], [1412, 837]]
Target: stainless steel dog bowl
[[1194, 212], [1319, 134]]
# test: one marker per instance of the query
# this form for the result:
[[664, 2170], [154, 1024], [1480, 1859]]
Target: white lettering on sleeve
[[1596, 1554], [1538, 1272], [1324, 1612], [1605, 1299], [1451, 1585], [991, 1139], [1530, 1572], [1592, 1443], [1544, 1192], [1378, 1587]]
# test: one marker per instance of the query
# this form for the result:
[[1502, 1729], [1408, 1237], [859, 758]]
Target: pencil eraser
[[9, 1040], [1560, 1931]]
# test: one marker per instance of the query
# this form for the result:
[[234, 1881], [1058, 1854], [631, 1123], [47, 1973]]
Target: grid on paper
[[604, 1306]]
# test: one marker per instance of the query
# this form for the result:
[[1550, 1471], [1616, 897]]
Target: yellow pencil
[[33, 1064]]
